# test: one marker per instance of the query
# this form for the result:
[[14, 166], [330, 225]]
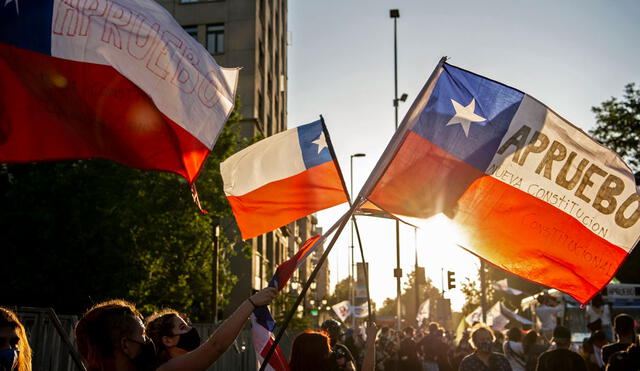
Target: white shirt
[[548, 316]]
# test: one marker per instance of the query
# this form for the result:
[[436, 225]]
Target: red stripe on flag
[[422, 180], [505, 225], [54, 109], [281, 202], [285, 270], [277, 360]]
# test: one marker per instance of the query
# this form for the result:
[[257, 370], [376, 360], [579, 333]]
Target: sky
[[571, 55]]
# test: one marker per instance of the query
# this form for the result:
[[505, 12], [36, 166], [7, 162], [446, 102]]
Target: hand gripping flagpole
[[353, 218], [340, 226]]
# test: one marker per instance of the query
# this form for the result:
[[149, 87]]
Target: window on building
[[215, 38], [192, 31]]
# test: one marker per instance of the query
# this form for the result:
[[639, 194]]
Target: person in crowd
[[408, 352], [599, 317], [624, 328], [462, 350], [498, 342], [172, 334], [111, 336], [626, 360], [548, 311], [15, 352], [312, 351], [514, 350], [483, 359], [355, 343], [385, 350], [434, 350], [340, 357], [532, 349], [592, 350], [561, 358]]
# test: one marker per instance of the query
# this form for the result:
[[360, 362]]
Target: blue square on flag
[[313, 143], [467, 115]]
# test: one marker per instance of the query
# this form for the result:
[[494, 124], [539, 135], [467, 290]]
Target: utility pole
[[395, 14], [214, 274]]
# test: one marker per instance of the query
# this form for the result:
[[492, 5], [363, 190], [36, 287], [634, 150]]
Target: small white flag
[[342, 309], [423, 311], [503, 286]]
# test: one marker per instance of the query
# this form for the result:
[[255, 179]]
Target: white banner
[[423, 311], [342, 309]]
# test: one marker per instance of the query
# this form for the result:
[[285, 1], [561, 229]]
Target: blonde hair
[[9, 319]]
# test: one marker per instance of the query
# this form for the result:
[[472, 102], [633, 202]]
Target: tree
[[340, 292], [408, 298], [78, 232], [618, 127]]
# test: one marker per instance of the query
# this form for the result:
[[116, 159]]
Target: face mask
[[146, 359], [8, 360], [189, 340], [484, 346]]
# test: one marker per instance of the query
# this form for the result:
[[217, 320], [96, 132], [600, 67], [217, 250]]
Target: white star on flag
[[6, 2], [321, 141], [465, 115]]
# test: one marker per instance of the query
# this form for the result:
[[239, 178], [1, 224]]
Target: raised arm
[[369, 361], [218, 343]]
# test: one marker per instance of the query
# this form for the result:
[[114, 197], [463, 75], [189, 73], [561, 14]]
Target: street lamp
[[352, 283], [397, 272]]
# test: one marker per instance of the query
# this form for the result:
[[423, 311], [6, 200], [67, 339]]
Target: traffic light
[[451, 278]]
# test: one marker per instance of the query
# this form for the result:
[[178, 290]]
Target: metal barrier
[[50, 339], [53, 344]]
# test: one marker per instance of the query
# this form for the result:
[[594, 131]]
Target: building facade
[[252, 34]]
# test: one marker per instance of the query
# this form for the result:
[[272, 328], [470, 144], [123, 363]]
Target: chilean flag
[[262, 323], [282, 178], [529, 192], [108, 79]]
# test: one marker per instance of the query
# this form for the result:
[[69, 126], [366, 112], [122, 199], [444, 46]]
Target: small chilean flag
[[262, 322], [282, 178], [108, 79], [530, 192]]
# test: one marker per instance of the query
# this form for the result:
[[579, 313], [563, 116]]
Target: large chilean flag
[[282, 178], [108, 79], [529, 192]]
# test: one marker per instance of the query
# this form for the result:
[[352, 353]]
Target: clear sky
[[571, 55]]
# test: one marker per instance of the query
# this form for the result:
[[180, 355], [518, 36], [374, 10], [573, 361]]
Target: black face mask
[[189, 340], [8, 360], [146, 359]]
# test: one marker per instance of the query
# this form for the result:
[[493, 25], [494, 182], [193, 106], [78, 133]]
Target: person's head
[[514, 334], [408, 331], [624, 326], [433, 327], [625, 360], [111, 334], [482, 339], [332, 328], [384, 333], [529, 340], [15, 352], [424, 322], [597, 301], [171, 333], [562, 337], [599, 339], [499, 336], [310, 351]]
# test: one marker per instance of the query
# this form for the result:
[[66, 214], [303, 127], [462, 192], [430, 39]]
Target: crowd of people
[[113, 335]]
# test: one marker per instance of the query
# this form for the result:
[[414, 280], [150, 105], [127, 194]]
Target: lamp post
[[397, 273], [352, 283]]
